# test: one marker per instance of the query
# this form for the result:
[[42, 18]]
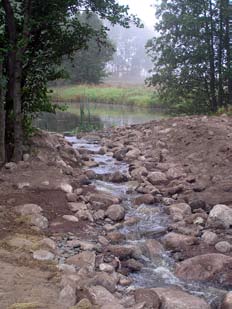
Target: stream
[[153, 224]]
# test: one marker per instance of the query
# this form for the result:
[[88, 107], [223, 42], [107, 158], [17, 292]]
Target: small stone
[[99, 215], [70, 218], [115, 212], [39, 221], [83, 304], [106, 267], [78, 191], [66, 187], [150, 297], [22, 185], [77, 206], [43, 255], [10, 166], [133, 265], [48, 242], [103, 241], [223, 247], [26, 157]]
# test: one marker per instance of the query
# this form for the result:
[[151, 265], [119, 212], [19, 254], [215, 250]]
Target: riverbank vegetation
[[192, 55], [35, 36], [128, 95]]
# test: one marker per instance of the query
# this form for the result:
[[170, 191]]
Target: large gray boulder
[[220, 217]]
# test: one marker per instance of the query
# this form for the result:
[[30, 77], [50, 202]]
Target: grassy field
[[130, 95]]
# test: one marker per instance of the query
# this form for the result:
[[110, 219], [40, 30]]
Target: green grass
[[131, 95]]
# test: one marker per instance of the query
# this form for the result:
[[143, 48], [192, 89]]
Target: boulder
[[84, 259], [175, 173], [133, 154], [77, 206], [115, 212], [102, 200], [206, 267], [67, 297], [179, 211], [227, 301], [210, 238], [43, 255], [149, 297], [133, 265], [147, 199], [101, 297], [220, 217], [198, 204], [175, 298], [116, 237], [153, 249], [106, 267], [157, 178], [175, 241], [67, 188], [223, 247], [71, 197], [122, 252], [118, 177]]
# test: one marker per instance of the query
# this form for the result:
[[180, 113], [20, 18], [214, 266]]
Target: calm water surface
[[104, 114]]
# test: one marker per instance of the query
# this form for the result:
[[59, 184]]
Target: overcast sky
[[144, 9]]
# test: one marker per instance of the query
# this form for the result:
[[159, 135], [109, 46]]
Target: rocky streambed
[[133, 217]]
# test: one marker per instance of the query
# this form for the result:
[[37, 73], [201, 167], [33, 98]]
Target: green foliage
[[190, 55], [88, 64], [131, 95]]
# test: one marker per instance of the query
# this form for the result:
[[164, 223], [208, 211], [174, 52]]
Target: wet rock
[[100, 296], [133, 265], [39, 221], [118, 177], [106, 267], [207, 267], [103, 241], [43, 255], [71, 197], [153, 248], [220, 217], [209, 237], [174, 298], [149, 297], [120, 154], [84, 259], [67, 188], [68, 297], [115, 212], [28, 209], [175, 241], [108, 281], [123, 252], [70, 218], [227, 301], [103, 200], [91, 174], [147, 199], [223, 247], [157, 178], [116, 237], [131, 221]]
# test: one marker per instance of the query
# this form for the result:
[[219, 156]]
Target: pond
[[101, 115]]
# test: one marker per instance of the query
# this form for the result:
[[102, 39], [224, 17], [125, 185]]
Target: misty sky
[[144, 10]]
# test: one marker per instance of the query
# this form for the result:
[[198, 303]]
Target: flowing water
[[153, 224]]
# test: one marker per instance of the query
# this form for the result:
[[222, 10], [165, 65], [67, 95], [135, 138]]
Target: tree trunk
[[220, 51], [2, 118], [18, 129], [228, 40]]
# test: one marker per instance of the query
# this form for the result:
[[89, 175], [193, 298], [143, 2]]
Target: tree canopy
[[192, 54], [35, 36]]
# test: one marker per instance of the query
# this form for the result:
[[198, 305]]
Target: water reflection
[[103, 115]]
